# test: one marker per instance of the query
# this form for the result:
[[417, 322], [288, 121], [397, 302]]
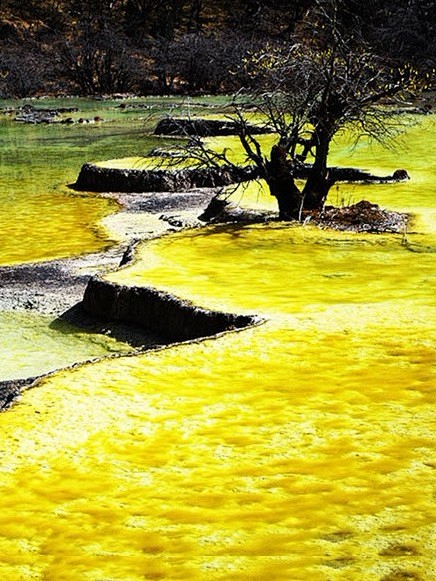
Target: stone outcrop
[[94, 178], [204, 127], [35, 115], [158, 311]]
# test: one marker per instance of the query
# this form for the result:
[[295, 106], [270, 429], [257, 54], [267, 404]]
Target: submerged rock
[[35, 115], [347, 174], [352, 174]]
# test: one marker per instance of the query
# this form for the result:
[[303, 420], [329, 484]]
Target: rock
[[361, 217], [400, 175], [204, 127], [100, 179], [158, 311], [8, 394], [11, 390], [215, 208], [35, 115], [129, 253], [352, 174]]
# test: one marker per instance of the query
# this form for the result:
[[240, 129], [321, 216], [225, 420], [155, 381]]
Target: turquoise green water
[[41, 218]]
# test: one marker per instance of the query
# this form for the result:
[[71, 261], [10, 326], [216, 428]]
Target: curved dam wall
[[161, 312], [158, 311], [94, 178]]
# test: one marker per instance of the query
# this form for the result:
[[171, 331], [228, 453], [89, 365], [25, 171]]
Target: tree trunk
[[319, 181], [281, 184]]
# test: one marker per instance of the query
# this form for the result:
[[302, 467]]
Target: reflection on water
[[300, 449]]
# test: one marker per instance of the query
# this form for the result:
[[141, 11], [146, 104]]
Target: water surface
[[41, 217], [299, 449]]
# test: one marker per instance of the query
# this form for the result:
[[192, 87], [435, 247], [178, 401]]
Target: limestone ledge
[[158, 311], [95, 178]]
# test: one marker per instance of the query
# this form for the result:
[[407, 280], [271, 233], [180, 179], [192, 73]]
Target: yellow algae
[[206, 266], [124, 163], [413, 150], [59, 228], [138, 163], [44, 219]]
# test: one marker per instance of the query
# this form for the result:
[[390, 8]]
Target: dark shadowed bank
[[95, 178]]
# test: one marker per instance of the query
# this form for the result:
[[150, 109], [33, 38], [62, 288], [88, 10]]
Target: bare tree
[[325, 78], [97, 63]]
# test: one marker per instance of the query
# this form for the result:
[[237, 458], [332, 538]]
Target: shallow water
[[288, 451], [41, 217], [281, 269], [299, 449], [32, 344]]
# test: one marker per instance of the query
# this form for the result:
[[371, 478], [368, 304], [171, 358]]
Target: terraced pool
[[299, 449]]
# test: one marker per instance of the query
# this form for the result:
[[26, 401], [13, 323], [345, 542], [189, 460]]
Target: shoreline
[[41, 286], [57, 287]]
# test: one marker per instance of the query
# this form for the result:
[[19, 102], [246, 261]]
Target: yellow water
[[292, 452], [299, 449]]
